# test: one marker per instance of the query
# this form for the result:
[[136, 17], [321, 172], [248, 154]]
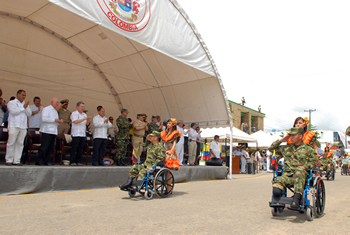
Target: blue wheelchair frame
[[147, 183], [313, 207]]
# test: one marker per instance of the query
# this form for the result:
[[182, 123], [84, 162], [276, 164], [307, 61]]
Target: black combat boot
[[277, 193], [296, 201], [127, 184], [117, 162]]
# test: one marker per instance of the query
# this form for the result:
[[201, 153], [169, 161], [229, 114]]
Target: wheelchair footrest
[[281, 201]]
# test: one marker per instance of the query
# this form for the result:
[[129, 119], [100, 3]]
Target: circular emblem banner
[[128, 15]]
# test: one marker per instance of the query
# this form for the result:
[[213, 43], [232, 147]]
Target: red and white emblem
[[128, 15]]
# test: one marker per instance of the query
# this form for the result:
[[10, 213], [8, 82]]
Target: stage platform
[[38, 179]]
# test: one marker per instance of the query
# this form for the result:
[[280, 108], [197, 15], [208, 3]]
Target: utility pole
[[310, 111]]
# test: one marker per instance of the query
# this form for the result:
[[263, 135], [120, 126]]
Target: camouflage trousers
[[138, 169], [296, 178], [122, 148], [324, 165]]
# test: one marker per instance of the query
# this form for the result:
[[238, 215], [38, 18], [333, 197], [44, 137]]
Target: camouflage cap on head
[[124, 111], [296, 130], [155, 133], [141, 115], [65, 101], [154, 117]]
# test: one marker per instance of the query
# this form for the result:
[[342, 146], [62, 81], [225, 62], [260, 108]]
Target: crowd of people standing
[[57, 119]]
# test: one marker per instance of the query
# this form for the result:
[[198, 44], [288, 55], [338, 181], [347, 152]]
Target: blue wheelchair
[[330, 175], [159, 180], [313, 201]]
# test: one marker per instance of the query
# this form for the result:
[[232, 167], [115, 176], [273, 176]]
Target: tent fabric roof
[[49, 51], [238, 136], [264, 139]]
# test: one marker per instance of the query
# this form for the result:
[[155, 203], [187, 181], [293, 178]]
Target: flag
[[273, 162], [134, 158], [222, 155]]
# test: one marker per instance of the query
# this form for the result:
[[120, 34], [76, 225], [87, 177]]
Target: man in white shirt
[[192, 144], [101, 125], [48, 129], [79, 121], [17, 128], [244, 158], [257, 159], [215, 148], [268, 160], [35, 119], [179, 148]]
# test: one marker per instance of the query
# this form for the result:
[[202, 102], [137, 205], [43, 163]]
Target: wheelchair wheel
[[148, 194], [320, 198], [164, 183], [309, 214], [274, 211], [132, 193]]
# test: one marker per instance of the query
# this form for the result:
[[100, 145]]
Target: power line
[[310, 111]]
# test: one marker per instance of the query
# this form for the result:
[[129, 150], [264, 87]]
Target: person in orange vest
[[326, 160], [309, 137]]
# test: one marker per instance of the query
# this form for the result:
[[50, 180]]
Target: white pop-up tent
[[263, 139], [145, 55], [238, 136]]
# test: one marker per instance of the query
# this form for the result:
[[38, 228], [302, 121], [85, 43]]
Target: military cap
[[141, 115], [180, 121], [197, 128], [65, 101], [155, 133], [158, 116], [154, 117], [124, 111], [296, 130]]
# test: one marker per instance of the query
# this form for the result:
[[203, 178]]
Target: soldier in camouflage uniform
[[326, 160], [122, 138], [64, 114], [153, 127], [155, 154], [299, 158]]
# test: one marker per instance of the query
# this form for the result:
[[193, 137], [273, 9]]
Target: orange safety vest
[[329, 154]]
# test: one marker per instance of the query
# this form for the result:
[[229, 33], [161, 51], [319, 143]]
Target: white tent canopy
[[238, 136], [263, 139], [77, 50]]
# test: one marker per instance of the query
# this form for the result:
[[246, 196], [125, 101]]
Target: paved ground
[[238, 206]]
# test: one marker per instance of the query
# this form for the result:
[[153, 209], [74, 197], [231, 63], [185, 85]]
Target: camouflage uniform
[[122, 138], [155, 154], [151, 127], [325, 161], [294, 156]]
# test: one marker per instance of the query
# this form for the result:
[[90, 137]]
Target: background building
[[242, 114]]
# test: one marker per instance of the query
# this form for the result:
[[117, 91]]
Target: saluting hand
[[285, 139]]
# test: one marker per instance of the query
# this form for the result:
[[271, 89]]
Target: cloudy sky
[[287, 56]]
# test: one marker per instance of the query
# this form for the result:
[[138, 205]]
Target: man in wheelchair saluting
[[299, 159], [155, 154]]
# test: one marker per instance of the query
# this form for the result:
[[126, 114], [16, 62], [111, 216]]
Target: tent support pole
[[230, 152]]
